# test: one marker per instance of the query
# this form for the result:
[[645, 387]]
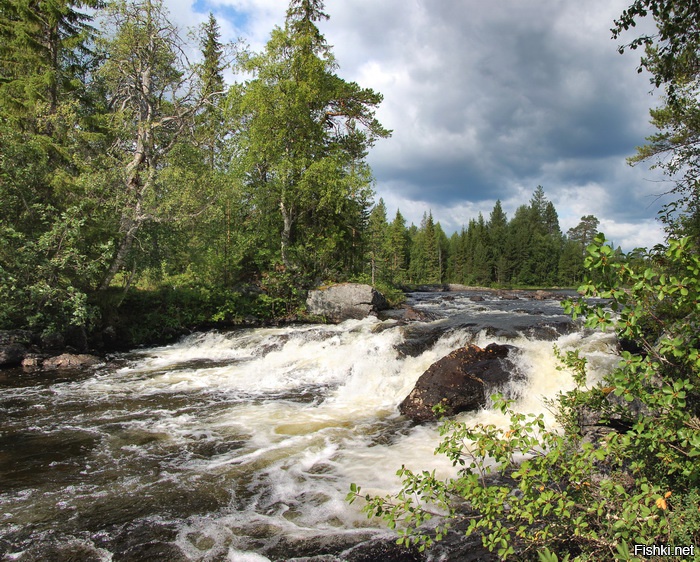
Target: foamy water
[[242, 445]]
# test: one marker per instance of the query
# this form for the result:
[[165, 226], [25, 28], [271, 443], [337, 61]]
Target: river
[[242, 445]]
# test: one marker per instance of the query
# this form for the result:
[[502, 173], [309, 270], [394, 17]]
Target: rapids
[[242, 445]]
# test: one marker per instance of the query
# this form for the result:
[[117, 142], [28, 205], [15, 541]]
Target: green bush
[[535, 493]]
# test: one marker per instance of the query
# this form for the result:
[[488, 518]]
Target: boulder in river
[[461, 381], [345, 301], [14, 346], [70, 361]]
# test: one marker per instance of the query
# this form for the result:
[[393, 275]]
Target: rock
[[70, 361], [14, 346], [20, 337], [508, 295], [460, 381], [416, 315], [345, 301], [384, 550], [12, 355], [53, 342], [419, 337], [32, 362]]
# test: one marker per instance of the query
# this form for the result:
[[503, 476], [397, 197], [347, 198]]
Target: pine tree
[[377, 231], [497, 233], [397, 249]]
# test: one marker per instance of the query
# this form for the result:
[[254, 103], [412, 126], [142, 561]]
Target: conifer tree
[[51, 215], [377, 242], [397, 249]]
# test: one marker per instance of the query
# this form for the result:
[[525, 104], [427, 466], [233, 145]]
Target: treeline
[[529, 249]]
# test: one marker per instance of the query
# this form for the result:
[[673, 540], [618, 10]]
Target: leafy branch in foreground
[[530, 491]]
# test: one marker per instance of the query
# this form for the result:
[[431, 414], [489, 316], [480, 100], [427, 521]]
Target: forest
[[140, 192], [133, 178]]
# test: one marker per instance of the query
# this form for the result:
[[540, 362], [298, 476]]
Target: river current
[[242, 445]]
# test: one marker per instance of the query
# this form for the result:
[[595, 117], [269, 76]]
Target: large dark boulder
[[345, 301], [461, 381], [14, 346], [12, 355]]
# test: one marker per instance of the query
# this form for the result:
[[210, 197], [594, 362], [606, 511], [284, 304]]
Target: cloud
[[489, 100]]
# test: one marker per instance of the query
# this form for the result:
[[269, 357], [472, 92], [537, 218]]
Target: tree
[[152, 96], [672, 56], [42, 50], [377, 241], [497, 231], [425, 264], [302, 135], [584, 233], [397, 249], [212, 89], [53, 224]]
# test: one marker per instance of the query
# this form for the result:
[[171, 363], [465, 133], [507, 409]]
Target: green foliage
[[671, 57], [301, 135], [531, 491]]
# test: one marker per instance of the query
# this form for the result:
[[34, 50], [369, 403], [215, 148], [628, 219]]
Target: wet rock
[[508, 295], [415, 315], [12, 355], [14, 346], [76, 338], [409, 314], [460, 381], [384, 550], [345, 301], [70, 361], [32, 362], [53, 342], [420, 337]]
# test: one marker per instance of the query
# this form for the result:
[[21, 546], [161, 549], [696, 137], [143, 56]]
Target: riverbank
[[140, 318], [244, 443]]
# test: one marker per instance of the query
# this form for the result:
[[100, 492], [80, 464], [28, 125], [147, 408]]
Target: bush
[[530, 491]]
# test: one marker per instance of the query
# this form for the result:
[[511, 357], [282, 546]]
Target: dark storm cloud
[[489, 100], [496, 99]]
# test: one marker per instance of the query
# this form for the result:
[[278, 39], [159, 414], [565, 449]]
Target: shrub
[[532, 492]]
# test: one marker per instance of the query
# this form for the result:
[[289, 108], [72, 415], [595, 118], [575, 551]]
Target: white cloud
[[487, 101]]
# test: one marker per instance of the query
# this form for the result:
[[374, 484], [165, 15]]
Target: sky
[[488, 100]]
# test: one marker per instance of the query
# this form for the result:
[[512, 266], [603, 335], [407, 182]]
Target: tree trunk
[[120, 257], [286, 233]]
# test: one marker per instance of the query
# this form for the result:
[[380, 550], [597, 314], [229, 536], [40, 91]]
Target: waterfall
[[242, 445]]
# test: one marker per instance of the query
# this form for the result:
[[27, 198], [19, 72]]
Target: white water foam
[[291, 417]]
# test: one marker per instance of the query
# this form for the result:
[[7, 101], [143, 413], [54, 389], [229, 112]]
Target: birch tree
[[302, 134]]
